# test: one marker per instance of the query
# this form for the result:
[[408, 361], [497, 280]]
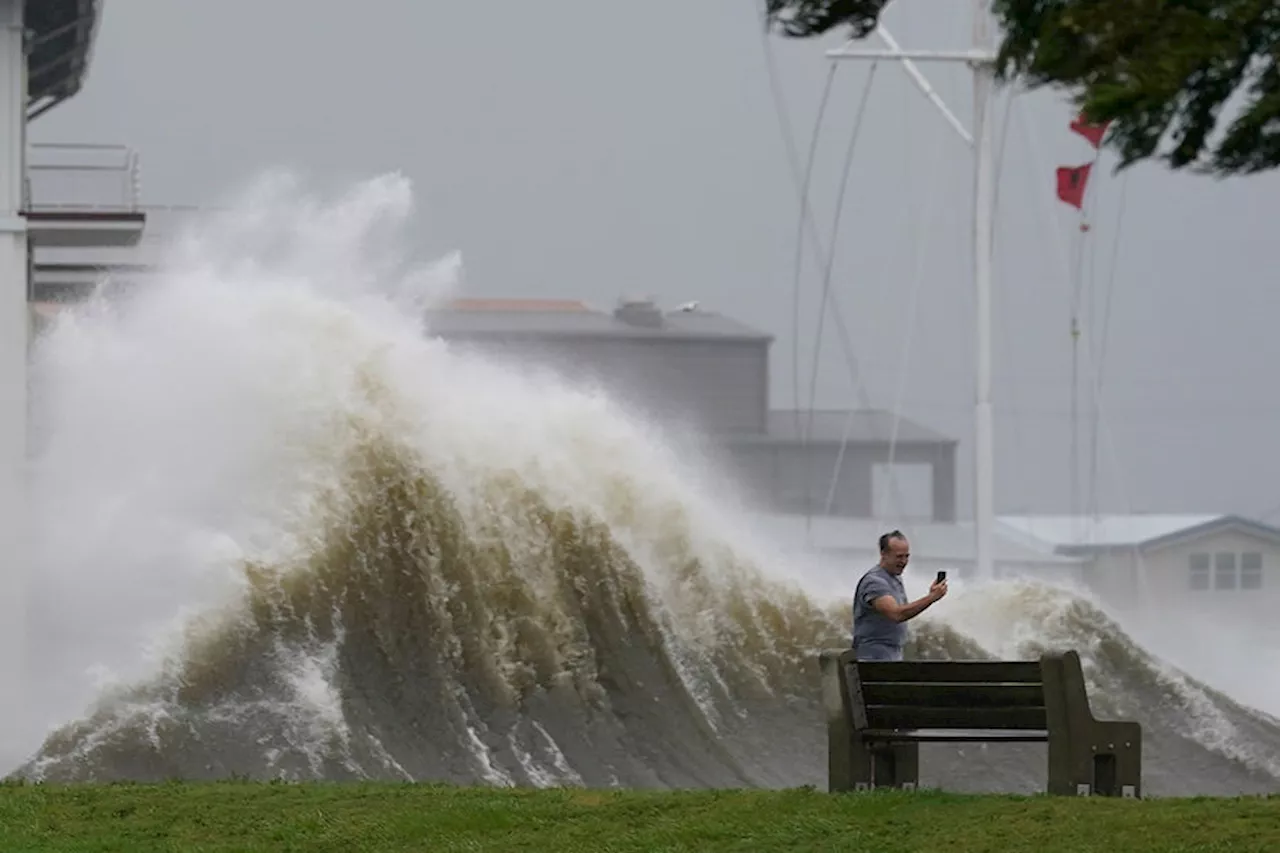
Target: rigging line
[[1101, 341], [854, 134], [895, 487], [1000, 149], [1119, 480], [804, 215], [835, 228], [1053, 235], [1074, 417], [902, 223], [1104, 424], [917, 279], [1031, 138], [1073, 329], [799, 253], [1083, 248], [815, 241], [1012, 394]]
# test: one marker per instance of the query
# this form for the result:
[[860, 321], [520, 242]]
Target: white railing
[[80, 176]]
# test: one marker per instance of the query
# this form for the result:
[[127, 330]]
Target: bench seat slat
[[953, 694], [956, 735], [981, 671], [976, 719]]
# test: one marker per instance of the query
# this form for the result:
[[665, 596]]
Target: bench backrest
[[945, 694]]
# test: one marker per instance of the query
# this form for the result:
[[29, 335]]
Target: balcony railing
[[73, 177]]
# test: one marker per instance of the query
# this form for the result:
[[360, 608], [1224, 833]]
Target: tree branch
[[1161, 72]]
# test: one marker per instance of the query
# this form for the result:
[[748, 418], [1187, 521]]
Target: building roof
[[559, 319], [1080, 534], [518, 305], [930, 541], [852, 426], [62, 34]]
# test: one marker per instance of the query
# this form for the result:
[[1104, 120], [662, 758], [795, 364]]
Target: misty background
[[586, 149]]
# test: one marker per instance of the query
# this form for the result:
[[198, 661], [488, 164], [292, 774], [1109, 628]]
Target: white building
[[1172, 563]]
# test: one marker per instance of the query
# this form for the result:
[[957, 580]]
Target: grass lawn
[[236, 816]]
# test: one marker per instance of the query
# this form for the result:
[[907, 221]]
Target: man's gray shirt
[[876, 636]]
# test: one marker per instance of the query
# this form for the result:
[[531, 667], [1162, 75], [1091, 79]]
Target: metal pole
[[983, 210], [14, 326]]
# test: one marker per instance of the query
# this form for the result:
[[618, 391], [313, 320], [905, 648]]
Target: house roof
[[833, 426], [558, 319], [1079, 534], [931, 541], [517, 305]]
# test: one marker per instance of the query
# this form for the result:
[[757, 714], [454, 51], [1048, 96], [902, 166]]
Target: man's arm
[[888, 607]]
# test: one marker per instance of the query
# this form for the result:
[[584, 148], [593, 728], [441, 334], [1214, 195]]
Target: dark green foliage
[[1160, 70], [808, 18]]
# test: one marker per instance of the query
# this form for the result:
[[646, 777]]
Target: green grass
[[201, 818]]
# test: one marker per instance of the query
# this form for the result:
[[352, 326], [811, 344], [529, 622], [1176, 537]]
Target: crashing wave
[[391, 560]]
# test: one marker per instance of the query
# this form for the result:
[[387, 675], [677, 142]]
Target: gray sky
[[585, 148]]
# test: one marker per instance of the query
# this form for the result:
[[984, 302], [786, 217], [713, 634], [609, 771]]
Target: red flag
[[1091, 132], [1071, 183]]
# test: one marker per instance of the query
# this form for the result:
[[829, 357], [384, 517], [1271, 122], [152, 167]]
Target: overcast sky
[[584, 149]]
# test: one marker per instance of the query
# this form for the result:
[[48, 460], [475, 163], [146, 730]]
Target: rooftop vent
[[639, 312]]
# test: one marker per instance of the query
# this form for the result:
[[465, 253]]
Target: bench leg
[[897, 766], [1118, 760], [1106, 762], [850, 764], [865, 766]]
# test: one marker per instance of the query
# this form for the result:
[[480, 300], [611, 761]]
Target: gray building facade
[[701, 371], [823, 462]]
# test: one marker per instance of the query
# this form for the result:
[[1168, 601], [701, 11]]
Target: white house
[[1172, 563]]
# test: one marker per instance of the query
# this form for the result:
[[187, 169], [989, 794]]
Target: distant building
[[704, 369], [791, 464], [1180, 563], [698, 369]]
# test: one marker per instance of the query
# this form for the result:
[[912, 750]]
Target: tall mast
[[980, 59], [983, 217]]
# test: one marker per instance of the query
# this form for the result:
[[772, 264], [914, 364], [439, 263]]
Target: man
[[880, 607]]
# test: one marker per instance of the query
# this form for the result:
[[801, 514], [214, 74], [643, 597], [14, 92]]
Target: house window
[[1251, 570], [1224, 570], [1199, 571]]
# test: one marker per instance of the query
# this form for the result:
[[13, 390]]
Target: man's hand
[[887, 606]]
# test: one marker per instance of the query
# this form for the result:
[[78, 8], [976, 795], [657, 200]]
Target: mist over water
[[188, 426], [1235, 655], [284, 532]]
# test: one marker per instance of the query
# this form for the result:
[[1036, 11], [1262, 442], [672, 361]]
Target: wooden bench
[[879, 712]]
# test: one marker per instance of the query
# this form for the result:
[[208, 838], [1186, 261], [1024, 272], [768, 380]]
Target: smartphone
[[942, 575]]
